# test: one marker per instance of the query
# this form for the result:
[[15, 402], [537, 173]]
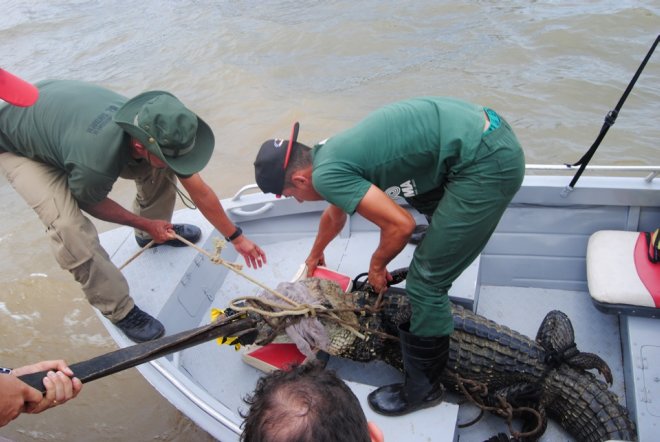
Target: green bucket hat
[[168, 130]]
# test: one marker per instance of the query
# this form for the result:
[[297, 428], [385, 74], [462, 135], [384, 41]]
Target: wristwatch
[[234, 235]]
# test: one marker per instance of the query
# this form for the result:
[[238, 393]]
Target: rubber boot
[[424, 358]]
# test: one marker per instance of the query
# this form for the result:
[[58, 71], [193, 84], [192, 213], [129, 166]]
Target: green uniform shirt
[[70, 126], [405, 149]]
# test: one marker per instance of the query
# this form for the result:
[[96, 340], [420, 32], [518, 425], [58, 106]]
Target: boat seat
[[621, 278]]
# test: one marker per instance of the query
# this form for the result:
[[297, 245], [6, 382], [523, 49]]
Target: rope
[[297, 310], [292, 309], [271, 309], [139, 252], [236, 268], [479, 390]]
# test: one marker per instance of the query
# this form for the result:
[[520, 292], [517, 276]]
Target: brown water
[[250, 68]]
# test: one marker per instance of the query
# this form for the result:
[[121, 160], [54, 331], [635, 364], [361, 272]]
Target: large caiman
[[548, 374]]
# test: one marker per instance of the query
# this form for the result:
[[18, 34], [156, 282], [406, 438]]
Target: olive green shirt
[[405, 149], [70, 126]]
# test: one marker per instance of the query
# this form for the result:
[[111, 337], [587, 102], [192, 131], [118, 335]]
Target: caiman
[[548, 374]]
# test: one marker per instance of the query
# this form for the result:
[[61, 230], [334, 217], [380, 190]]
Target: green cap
[[168, 130]]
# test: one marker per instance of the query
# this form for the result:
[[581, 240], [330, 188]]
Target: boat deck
[[216, 379]]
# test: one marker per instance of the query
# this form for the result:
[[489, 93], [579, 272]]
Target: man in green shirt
[[457, 163], [63, 155]]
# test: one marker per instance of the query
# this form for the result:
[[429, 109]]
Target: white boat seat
[[621, 278]]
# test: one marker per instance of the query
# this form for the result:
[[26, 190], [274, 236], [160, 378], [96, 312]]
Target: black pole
[[610, 119], [118, 360]]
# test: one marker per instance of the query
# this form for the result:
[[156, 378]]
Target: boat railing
[[650, 171], [196, 399]]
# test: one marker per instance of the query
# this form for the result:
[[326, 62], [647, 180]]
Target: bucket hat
[[168, 130]]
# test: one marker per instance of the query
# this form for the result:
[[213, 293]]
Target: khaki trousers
[[73, 238]]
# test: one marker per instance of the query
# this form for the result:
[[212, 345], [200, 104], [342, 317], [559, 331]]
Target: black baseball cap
[[272, 160]]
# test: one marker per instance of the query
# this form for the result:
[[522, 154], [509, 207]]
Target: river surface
[[249, 69]]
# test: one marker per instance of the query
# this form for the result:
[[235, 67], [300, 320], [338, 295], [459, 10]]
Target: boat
[[536, 261]]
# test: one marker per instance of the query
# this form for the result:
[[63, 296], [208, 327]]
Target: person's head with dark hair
[[305, 404]]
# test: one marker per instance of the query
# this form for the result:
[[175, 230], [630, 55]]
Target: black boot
[[140, 326], [424, 358]]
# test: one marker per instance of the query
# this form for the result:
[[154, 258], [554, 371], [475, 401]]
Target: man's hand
[[18, 397], [378, 278], [159, 230], [252, 253], [208, 203], [312, 262]]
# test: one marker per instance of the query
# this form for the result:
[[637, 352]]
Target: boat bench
[[621, 278]]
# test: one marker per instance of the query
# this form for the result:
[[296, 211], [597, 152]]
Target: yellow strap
[[228, 340]]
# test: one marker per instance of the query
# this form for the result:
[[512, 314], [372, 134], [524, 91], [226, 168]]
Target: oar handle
[[118, 360]]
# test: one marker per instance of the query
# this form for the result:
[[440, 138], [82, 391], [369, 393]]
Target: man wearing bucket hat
[[457, 163], [17, 397], [63, 156]]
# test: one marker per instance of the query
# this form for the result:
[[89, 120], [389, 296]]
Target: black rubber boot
[[424, 358], [187, 231]]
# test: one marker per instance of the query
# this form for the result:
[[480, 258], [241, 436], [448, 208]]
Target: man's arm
[[208, 203], [396, 225], [109, 210], [332, 221]]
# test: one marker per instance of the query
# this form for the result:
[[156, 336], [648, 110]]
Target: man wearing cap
[[64, 154], [457, 163]]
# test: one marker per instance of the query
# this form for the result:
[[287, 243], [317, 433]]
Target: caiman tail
[[585, 407]]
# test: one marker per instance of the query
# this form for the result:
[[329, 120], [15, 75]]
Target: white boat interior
[[535, 262]]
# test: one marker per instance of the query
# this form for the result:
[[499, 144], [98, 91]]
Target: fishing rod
[[610, 119], [236, 326]]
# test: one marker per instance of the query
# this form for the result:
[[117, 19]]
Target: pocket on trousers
[[66, 239]]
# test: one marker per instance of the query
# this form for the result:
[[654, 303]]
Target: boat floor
[[220, 372]]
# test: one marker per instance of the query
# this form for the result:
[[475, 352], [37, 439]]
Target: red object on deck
[[648, 272], [274, 356]]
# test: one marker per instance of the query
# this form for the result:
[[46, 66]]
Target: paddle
[[116, 361]]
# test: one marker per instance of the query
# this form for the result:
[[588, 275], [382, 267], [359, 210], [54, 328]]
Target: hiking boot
[[140, 326], [187, 231]]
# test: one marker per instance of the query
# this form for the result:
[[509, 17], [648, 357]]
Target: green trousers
[[463, 213], [72, 236]]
